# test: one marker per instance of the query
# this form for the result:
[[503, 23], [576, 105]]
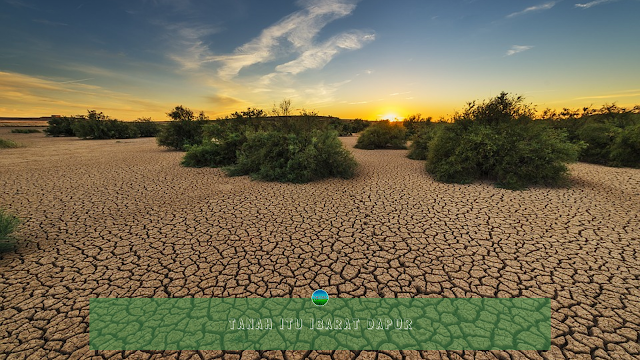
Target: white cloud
[[593, 3], [189, 50], [323, 94], [515, 49], [293, 34], [545, 6], [299, 29], [629, 93], [318, 56]]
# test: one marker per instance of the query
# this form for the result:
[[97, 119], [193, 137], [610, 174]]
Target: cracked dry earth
[[124, 219]]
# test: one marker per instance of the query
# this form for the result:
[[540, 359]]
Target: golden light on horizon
[[391, 117]]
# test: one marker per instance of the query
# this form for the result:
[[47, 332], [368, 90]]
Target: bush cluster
[[61, 126], [347, 127], [25, 131], [8, 224], [383, 135], [215, 152], [500, 141], [609, 135], [96, 125], [415, 124], [293, 157], [419, 147], [294, 149], [625, 150], [145, 127], [184, 131]]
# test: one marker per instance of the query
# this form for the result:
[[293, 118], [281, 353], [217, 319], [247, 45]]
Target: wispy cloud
[[190, 50], [223, 101], [536, 8], [40, 95], [593, 3], [75, 81], [322, 95], [320, 55], [515, 49], [47, 22], [20, 3], [286, 49], [627, 93], [295, 33]]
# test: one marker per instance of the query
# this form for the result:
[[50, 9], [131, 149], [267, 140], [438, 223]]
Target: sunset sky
[[368, 59]]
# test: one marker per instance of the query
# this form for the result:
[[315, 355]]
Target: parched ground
[[124, 219]]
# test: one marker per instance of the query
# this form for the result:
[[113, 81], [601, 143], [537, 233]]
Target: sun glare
[[391, 117]]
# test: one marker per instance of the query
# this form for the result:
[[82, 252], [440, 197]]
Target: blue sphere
[[320, 297]]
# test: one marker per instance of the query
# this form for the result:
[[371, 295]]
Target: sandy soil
[[124, 219]]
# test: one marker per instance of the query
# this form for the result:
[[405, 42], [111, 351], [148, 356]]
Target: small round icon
[[320, 297]]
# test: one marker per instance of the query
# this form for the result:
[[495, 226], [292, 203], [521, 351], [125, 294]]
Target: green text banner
[[341, 324]]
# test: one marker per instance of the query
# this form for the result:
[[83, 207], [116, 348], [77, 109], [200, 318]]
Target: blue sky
[[368, 59]]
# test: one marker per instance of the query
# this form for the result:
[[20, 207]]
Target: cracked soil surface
[[124, 219]]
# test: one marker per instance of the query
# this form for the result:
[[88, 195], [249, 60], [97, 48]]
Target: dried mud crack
[[124, 219]]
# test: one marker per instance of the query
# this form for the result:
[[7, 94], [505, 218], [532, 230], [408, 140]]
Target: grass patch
[[8, 224], [25, 131], [8, 144]]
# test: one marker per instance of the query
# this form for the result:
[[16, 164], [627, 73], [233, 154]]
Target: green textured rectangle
[[341, 324]]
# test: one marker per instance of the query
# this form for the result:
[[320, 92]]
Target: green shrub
[[8, 224], [599, 139], [606, 134], [447, 161], [498, 140], [414, 124], [221, 129], [342, 127], [291, 157], [358, 125], [383, 135], [625, 150], [533, 154], [419, 147], [215, 154], [183, 131], [8, 144], [145, 127], [61, 126], [25, 131], [99, 126]]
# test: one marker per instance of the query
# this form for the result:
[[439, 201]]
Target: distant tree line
[[96, 125], [502, 139]]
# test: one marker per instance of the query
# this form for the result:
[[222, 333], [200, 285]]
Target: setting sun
[[391, 117]]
